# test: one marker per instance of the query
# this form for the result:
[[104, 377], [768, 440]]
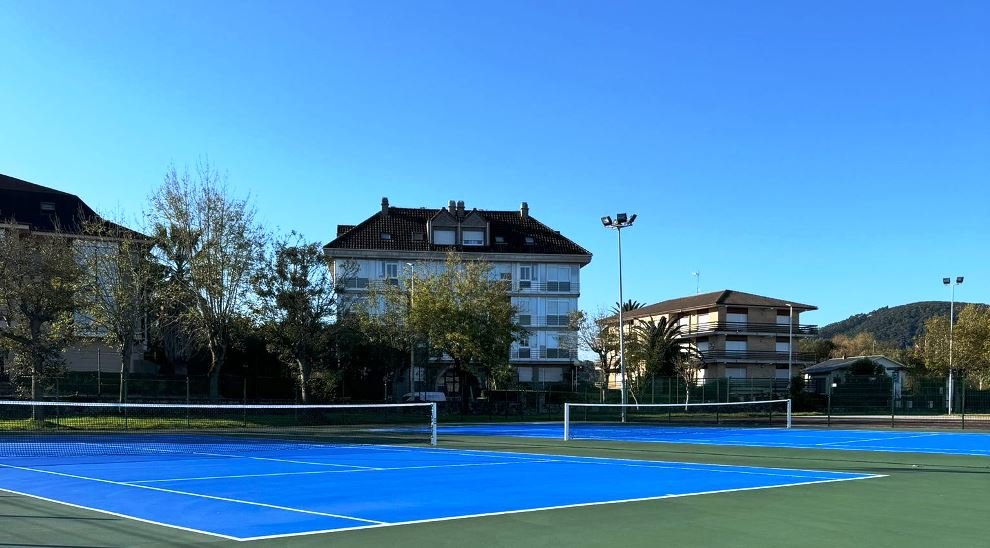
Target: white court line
[[315, 472], [886, 438], [115, 514], [559, 507], [198, 495]]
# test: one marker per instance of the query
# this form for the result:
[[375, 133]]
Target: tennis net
[[595, 419], [33, 428]]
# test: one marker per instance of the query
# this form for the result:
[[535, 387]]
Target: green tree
[[38, 281], [296, 301], [658, 345], [467, 316], [119, 275], [627, 306], [222, 241], [970, 344]]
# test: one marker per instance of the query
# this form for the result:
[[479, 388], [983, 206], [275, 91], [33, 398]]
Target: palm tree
[[627, 306], [659, 346]]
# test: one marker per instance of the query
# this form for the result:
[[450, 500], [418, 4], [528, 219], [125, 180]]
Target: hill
[[894, 325]]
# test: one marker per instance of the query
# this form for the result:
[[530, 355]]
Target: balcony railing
[[518, 286], [529, 320], [748, 327], [713, 356], [543, 354]]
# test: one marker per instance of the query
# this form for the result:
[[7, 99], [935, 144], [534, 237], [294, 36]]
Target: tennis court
[[312, 489], [944, 443]]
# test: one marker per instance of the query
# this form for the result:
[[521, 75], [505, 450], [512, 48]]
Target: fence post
[[962, 405], [892, 384], [567, 421]]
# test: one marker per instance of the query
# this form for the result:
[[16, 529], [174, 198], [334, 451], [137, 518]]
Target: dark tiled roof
[[402, 223], [725, 297], [836, 364], [21, 201]]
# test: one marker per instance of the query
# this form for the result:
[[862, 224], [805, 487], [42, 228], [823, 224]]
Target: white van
[[411, 397]]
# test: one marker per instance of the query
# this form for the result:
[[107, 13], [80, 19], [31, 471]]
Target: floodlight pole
[[621, 221], [952, 306], [790, 348], [412, 341]]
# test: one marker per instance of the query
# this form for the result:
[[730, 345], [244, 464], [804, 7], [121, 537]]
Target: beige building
[[739, 335]]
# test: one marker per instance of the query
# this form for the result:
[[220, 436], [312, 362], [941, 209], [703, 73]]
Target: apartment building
[[739, 335], [26, 206], [542, 266]]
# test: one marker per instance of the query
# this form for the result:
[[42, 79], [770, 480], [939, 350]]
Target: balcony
[[799, 330], [543, 354], [527, 286], [528, 320], [749, 356]]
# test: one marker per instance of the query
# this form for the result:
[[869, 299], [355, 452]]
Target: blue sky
[[833, 153]]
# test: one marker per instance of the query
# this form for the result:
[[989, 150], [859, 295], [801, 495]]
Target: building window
[[736, 315], [552, 374], [47, 207], [702, 345], [443, 237], [558, 278], [525, 277], [735, 344], [474, 237], [735, 372], [558, 313], [525, 374], [530, 240], [386, 236], [783, 317], [780, 373], [391, 271], [783, 345], [500, 239], [450, 382], [416, 236]]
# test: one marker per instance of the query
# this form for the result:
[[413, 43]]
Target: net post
[[433, 424], [567, 421], [788, 412]]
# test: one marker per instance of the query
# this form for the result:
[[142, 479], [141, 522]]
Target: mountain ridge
[[897, 325]]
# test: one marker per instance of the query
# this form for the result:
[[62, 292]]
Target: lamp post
[[952, 306], [412, 342], [790, 347], [621, 221]]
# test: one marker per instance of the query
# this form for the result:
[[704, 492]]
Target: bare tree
[[222, 241], [37, 299], [119, 274], [597, 334], [296, 302]]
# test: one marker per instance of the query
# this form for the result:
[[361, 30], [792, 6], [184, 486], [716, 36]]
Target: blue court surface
[[948, 443], [314, 488]]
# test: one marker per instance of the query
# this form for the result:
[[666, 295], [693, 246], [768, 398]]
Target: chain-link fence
[[97, 386]]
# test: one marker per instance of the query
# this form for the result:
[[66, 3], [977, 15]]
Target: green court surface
[[924, 500]]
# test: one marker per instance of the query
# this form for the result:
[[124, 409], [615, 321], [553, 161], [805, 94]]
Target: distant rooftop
[[727, 297]]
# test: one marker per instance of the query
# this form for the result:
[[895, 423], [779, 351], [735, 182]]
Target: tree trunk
[[125, 365], [218, 355], [462, 375], [304, 370]]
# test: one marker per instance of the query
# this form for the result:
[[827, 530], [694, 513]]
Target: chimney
[[524, 210], [384, 206], [452, 207], [460, 208]]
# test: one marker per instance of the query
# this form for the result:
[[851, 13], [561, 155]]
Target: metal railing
[[543, 354], [712, 356], [748, 327]]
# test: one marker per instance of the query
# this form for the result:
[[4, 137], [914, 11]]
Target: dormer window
[[500, 239], [474, 237], [443, 237], [530, 240], [416, 236], [47, 207], [386, 236]]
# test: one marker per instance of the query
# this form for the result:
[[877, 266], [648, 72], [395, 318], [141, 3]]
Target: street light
[[412, 342], [621, 221], [952, 306], [790, 347]]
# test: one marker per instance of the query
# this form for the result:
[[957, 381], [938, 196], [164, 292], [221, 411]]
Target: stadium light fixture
[[952, 306], [622, 220]]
